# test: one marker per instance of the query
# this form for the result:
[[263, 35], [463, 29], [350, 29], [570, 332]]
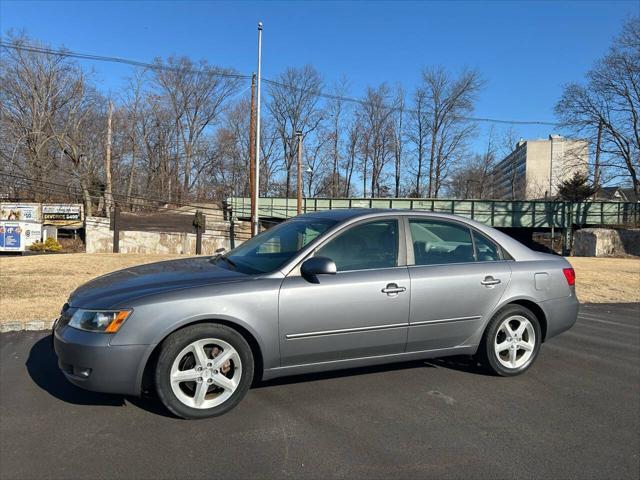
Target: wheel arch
[[536, 309], [146, 380]]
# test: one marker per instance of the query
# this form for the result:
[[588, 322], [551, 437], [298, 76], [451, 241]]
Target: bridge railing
[[497, 213]]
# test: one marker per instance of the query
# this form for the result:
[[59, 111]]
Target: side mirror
[[314, 266]]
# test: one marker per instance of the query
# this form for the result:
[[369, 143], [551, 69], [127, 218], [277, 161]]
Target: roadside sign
[[12, 237], [18, 236], [20, 212], [63, 214]]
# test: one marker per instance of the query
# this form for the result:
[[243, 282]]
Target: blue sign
[[11, 237]]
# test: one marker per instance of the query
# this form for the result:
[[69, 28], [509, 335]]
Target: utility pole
[[299, 137], [256, 184], [252, 150], [108, 197], [596, 173]]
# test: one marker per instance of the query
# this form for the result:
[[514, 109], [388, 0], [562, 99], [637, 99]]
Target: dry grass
[[607, 280], [35, 287]]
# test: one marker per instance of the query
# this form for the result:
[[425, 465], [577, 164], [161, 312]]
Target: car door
[[457, 277], [362, 310]]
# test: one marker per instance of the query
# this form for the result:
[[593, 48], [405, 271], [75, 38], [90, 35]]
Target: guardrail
[[497, 213]]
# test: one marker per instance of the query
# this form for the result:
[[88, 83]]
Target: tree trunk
[[132, 173], [431, 162], [108, 195]]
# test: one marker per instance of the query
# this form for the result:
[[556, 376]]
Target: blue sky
[[525, 50]]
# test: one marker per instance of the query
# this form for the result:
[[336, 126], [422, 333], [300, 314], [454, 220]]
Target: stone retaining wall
[[606, 242], [99, 239]]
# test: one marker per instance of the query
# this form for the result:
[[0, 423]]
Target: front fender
[[250, 305]]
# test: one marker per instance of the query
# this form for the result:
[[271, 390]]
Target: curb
[[32, 325]]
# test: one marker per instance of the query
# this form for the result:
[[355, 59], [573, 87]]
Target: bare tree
[[317, 171], [132, 103], [293, 105], [610, 100], [474, 179], [34, 89], [375, 116], [418, 137], [448, 101], [196, 93], [336, 111], [398, 136], [351, 154]]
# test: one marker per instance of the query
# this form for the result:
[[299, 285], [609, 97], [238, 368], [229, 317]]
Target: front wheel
[[203, 371], [511, 341]]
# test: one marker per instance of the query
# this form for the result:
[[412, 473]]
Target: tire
[[203, 371], [513, 329]]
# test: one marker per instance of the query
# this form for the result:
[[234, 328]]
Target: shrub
[[49, 245]]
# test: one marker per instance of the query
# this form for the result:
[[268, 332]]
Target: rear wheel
[[511, 341], [203, 371]]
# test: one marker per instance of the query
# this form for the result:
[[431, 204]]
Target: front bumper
[[89, 361]]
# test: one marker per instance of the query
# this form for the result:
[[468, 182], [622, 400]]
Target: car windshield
[[274, 247]]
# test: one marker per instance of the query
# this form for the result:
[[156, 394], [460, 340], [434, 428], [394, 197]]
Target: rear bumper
[[561, 314], [88, 361]]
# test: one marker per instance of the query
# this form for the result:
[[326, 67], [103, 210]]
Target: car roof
[[341, 214]]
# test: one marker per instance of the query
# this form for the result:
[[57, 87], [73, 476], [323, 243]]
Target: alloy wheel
[[514, 342], [205, 373]]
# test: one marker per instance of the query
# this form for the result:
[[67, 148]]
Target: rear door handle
[[393, 289], [489, 280]]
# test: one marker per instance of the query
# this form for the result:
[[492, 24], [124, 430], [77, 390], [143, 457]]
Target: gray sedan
[[323, 291]]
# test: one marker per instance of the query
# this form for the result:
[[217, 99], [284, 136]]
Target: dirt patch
[[35, 287]]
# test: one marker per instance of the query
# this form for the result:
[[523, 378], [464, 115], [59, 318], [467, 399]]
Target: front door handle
[[489, 280], [393, 289]]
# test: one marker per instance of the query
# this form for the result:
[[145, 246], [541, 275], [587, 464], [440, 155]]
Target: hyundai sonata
[[323, 291]]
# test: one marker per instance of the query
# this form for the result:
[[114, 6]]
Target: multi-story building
[[536, 167]]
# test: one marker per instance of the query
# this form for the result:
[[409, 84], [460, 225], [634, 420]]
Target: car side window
[[486, 250], [366, 246], [436, 242]]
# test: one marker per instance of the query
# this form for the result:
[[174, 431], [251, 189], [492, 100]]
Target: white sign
[[25, 212]]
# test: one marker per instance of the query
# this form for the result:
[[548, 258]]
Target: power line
[[216, 72], [102, 58], [360, 101], [72, 189]]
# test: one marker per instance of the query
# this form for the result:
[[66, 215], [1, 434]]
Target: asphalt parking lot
[[575, 414]]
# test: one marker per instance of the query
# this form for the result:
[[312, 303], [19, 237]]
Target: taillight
[[570, 275]]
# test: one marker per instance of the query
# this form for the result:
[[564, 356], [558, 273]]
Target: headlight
[[106, 321]]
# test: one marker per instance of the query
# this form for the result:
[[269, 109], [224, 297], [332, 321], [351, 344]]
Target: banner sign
[[62, 214], [20, 212]]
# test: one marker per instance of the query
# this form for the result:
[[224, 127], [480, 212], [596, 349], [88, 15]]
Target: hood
[[118, 287]]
